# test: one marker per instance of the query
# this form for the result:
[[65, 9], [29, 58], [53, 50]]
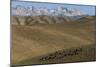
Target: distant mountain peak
[[33, 11]]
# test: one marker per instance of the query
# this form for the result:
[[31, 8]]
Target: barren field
[[52, 43]]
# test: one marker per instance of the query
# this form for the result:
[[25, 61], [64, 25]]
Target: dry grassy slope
[[42, 39], [87, 19]]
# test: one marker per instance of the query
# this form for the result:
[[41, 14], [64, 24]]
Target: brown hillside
[[41, 40]]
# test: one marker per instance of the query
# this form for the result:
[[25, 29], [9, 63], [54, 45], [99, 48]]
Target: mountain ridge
[[33, 11]]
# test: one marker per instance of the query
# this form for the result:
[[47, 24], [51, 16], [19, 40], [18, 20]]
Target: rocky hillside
[[43, 19], [30, 20]]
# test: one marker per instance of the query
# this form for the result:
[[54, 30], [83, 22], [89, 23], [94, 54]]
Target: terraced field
[[52, 43]]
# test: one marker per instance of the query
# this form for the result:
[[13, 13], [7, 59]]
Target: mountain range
[[34, 11]]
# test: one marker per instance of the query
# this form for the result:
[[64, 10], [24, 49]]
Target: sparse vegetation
[[40, 37]]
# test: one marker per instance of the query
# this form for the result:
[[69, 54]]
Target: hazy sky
[[87, 9]]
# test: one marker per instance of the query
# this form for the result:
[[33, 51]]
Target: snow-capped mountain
[[33, 11]]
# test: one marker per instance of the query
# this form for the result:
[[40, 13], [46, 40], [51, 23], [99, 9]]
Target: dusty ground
[[31, 43]]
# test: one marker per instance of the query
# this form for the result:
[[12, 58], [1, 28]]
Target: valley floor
[[40, 43]]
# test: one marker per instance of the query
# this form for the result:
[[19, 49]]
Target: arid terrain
[[41, 40]]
